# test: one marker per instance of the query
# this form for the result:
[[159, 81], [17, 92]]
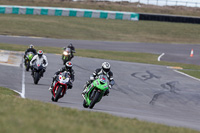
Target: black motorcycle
[[38, 70]]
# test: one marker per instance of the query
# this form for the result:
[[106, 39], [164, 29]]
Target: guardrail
[[72, 12], [168, 2], [187, 3]]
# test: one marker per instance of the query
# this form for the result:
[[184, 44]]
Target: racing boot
[[106, 93], [84, 89], [51, 87]]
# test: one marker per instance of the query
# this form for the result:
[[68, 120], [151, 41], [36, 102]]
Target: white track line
[[161, 56], [187, 75], [23, 80], [18, 92]]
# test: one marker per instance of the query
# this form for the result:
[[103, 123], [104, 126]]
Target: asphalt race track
[[173, 52], [147, 92]]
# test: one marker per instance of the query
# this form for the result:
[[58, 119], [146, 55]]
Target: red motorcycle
[[60, 86]]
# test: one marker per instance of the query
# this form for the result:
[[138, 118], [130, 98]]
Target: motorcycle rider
[[105, 70], [72, 49], [68, 68], [30, 49], [39, 57]]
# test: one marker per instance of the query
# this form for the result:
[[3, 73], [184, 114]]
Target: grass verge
[[24, 115], [194, 73], [98, 29], [190, 69]]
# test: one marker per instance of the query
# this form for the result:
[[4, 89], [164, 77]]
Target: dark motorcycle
[[60, 86], [37, 72], [66, 56]]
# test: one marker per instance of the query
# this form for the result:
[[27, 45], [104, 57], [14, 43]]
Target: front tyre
[[95, 99], [36, 77], [52, 99], [27, 66], [58, 94]]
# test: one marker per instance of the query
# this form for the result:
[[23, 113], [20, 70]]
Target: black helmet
[[68, 65], [105, 67], [71, 47], [31, 46], [40, 53]]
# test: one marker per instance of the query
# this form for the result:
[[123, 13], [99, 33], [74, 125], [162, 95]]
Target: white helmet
[[68, 65], [105, 67], [31, 46], [40, 53]]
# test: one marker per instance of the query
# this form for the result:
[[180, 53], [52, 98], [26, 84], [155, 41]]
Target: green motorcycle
[[66, 56], [95, 91], [28, 58]]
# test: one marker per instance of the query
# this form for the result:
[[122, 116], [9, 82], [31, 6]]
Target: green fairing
[[65, 57], [30, 56], [98, 86]]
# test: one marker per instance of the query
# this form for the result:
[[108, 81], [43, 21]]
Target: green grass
[[194, 73], [99, 29], [7, 92], [29, 116]]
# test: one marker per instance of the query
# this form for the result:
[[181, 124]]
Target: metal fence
[[158, 2], [168, 3]]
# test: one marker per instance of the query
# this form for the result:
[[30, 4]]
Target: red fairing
[[56, 87]]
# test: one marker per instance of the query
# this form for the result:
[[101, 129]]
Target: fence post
[[176, 3], [166, 2]]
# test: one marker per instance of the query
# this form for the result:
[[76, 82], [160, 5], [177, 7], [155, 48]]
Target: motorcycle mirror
[[91, 77]]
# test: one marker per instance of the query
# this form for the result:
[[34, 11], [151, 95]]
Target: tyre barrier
[[170, 18], [73, 12]]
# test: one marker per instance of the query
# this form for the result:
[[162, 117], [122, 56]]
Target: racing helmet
[[71, 47], [40, 53], [31, 46], [105, 67], [68, 65]]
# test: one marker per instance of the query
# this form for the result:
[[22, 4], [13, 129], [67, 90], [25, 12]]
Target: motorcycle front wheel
[[36, 77], [85, 104], [58, 94], [95, 99], [27, 66]]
